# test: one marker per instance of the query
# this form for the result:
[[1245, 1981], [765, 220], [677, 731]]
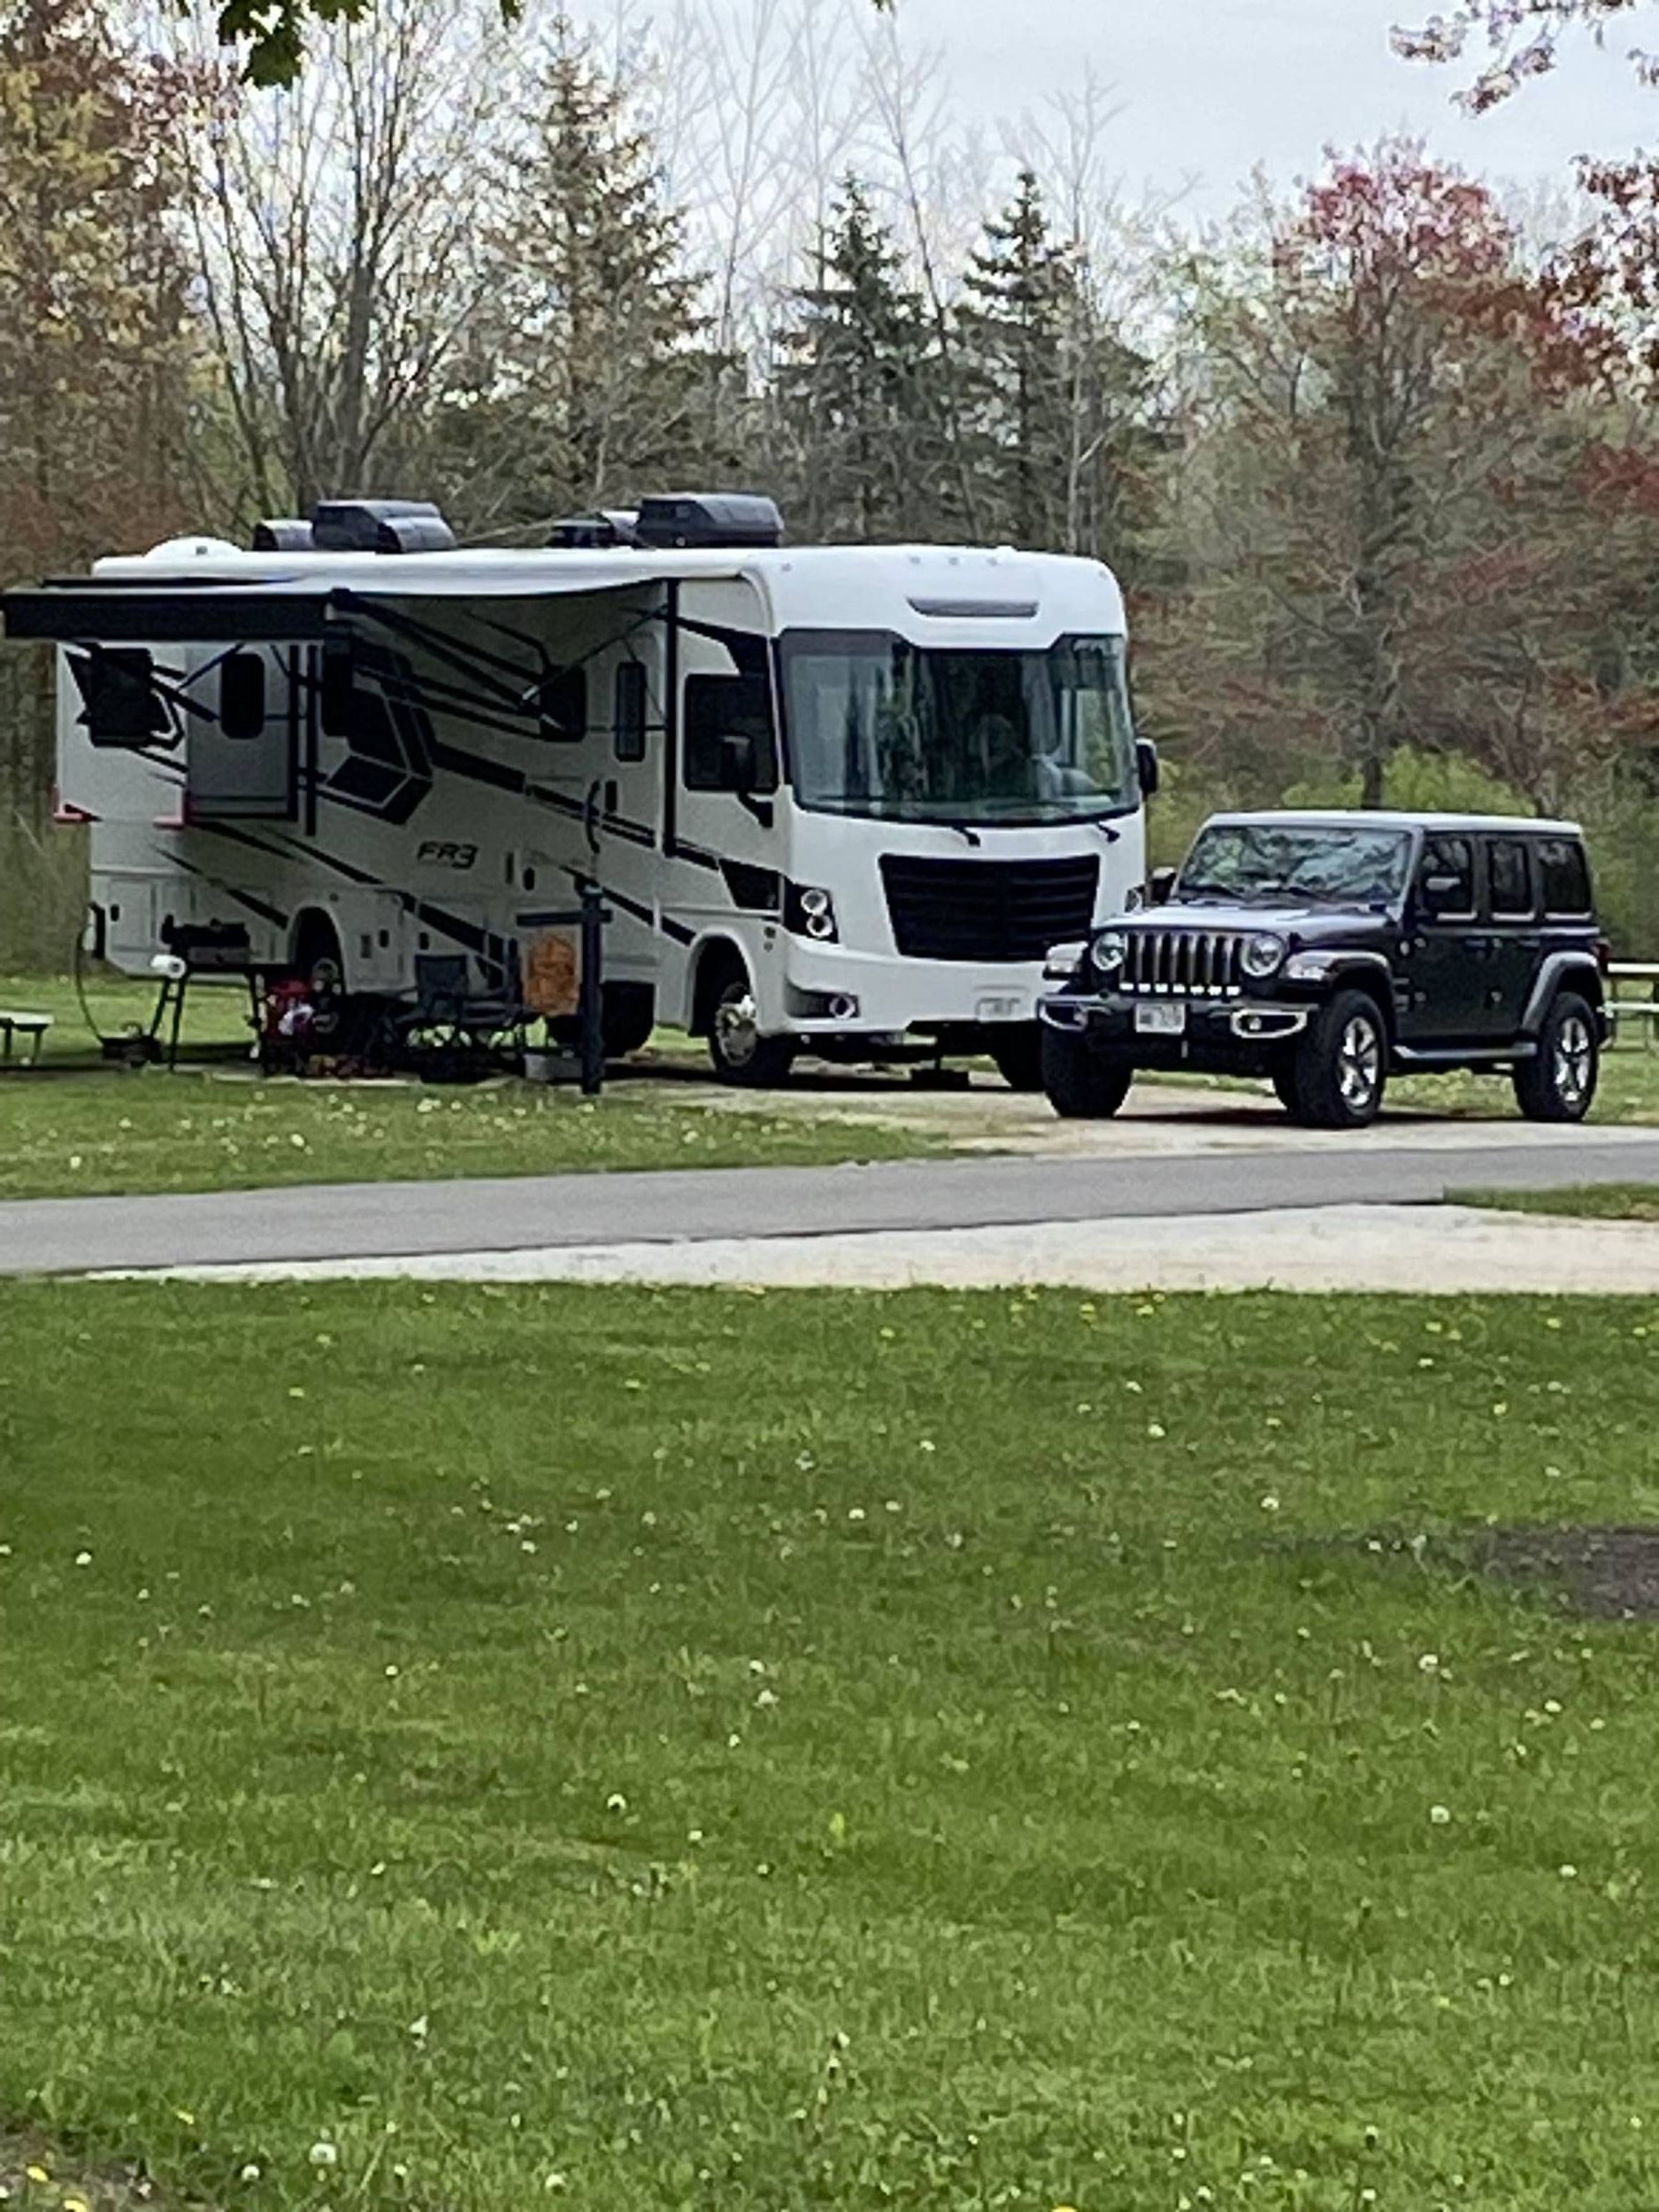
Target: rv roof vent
[[379, 525], [606, 525], [282, 535], [713, 518]]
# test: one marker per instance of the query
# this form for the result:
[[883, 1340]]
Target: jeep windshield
[[1284, 864]]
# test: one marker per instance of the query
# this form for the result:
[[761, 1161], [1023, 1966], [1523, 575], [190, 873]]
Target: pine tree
[[1054, 401], [854, 388], [597, 383]]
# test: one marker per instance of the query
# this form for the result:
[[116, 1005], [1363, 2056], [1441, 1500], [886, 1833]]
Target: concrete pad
[[1440, 1249]]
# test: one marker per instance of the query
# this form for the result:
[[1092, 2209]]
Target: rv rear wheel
[[630, 1016], [740, 1054]]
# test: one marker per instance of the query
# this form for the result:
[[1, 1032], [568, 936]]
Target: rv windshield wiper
[[970, 836]]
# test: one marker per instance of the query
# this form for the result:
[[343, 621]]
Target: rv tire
[[740, 1054]]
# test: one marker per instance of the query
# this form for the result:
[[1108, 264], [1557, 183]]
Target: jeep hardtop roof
[[1366, 817]]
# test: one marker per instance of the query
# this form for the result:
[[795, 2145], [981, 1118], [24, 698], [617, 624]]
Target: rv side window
[[120, 702], [630, 710], [718, 708], [562, 703], [241, 697]]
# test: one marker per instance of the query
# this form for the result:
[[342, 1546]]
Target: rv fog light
[[843, 1007], [1263, 954], [1107, 952]]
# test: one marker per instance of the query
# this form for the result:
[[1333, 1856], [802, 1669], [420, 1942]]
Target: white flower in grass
[[83, 1559], [1440, 1815], [323, 2152]]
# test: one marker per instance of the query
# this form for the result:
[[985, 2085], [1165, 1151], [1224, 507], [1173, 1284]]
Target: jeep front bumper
[[1160, 1024]]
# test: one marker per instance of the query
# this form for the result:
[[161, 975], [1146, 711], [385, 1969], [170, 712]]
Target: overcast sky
[[1211, 88]]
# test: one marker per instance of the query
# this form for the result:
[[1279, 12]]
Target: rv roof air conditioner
[[606, 526], [709, 519], [359, 526], [284, 533]]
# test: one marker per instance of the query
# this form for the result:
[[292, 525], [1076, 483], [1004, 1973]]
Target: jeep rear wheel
[[1559, 1082], [1082, 1085], [1341, 1064]]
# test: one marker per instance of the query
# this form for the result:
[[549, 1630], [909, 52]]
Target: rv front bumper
[[893, 995]]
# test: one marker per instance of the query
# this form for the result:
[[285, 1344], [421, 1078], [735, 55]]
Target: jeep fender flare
[[1557, 968], [1366, 970]]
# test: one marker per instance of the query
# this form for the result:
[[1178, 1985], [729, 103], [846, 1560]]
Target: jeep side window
[[1566, 879], [1446, 878], [1509, 872]]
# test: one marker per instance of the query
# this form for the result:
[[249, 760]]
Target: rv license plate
[[1002, 1009], [1161, 1018]]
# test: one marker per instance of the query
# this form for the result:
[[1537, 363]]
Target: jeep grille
[[1203, 963]]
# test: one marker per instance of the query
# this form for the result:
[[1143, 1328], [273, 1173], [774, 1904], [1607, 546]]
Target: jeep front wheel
[[1559, 1082], [1341, 1064], [1082, 1085]]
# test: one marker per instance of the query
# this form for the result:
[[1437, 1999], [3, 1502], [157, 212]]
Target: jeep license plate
[[1161, 1018]]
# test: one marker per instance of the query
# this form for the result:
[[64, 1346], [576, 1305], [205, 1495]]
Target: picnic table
[[14, 1023], [1638, 1002]]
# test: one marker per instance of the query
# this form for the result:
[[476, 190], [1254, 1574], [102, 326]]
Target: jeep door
[[1510, 958], [1445, 983]]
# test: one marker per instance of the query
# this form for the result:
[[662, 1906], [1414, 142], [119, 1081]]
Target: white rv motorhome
[[842, 797]]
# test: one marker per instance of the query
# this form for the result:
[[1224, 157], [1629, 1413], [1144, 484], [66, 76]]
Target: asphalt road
[[364, 1221]]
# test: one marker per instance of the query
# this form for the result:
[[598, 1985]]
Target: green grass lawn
[[1604, 1202], [74, 1128], [466, 1747]]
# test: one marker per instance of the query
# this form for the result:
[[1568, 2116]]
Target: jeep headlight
[[1263, 955], [1107, 951]]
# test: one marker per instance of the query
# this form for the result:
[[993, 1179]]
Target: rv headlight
[[1107, 951], [810, 911], [1262, 955]]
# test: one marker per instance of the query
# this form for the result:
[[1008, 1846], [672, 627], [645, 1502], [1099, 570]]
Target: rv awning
[[298, 610]]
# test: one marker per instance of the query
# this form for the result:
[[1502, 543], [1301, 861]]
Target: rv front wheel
[[740, 1054], [1017, 1048]]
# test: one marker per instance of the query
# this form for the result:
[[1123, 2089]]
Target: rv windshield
[[920, 734]]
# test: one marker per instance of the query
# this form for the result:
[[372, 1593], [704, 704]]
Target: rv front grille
[[987, 910], [1201, 962]]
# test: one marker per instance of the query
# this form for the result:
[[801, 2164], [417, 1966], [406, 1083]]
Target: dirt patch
[[1610, 1573]]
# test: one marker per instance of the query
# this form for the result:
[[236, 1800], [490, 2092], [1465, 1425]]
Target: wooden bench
[[14, 1023]]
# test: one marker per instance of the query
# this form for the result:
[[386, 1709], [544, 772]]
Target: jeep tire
[[1341, 1064], [1558, 1083], [1082, 1085]]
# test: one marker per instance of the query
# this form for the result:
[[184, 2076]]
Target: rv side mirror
[[335, 691], [1160, 883], [1147, 766], [737, 760]]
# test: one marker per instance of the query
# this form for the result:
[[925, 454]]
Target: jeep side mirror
[[1147, 766], [1160, 883], [1436, 893]]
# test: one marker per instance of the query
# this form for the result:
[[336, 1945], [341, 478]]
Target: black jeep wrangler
[[1327, 951]]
